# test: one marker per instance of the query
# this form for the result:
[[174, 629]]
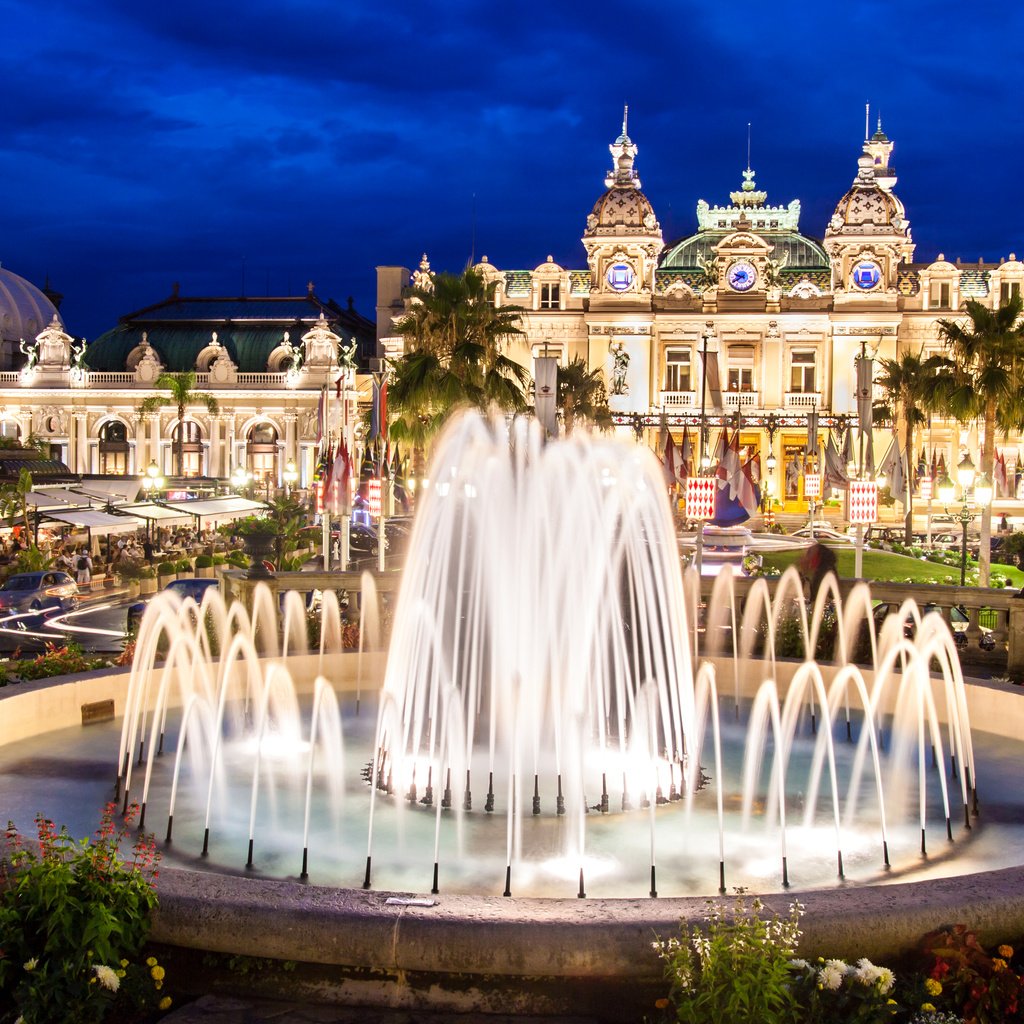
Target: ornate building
[[265, 360], [787, 313]]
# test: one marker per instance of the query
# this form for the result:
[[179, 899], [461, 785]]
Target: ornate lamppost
[[291, 474], [965, 474]]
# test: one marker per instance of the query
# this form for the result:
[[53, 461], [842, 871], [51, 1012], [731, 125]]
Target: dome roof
[[24, 309], [868, 207], [800, 252], [622, 207]]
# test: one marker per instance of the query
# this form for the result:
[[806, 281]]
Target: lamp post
[[152, 483], [771, 425], [291, 474], [240, 477], [965, 474]]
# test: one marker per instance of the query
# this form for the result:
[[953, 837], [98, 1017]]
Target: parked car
[[36, 591], [823, 532], [194, 588], [363, 541]]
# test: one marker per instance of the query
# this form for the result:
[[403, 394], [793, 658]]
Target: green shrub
[[166, 569], [73, 917], [147, 572], [127, 570], [205, 561], [218, 559], [183, 565]]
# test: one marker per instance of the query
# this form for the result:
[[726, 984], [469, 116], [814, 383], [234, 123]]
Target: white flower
[[866, 973], [838, 965], [798, 964], [830, 977], [886, 980], [107, 977], [31, 965]]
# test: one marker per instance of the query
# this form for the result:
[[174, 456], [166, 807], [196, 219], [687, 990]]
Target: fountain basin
[[488, 953]]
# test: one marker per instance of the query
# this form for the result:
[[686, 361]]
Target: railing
[[994, 618], [678, 399], [10, 377], [110, 378], [803, 400], [273, 379], [741, 399]]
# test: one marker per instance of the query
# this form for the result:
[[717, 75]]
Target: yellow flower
[[890, 1002], [998, 965], [151, 962], [156, 973], [932, 987], [124, 963], [1005, 952], [158, 985], [120, 973], [165, 1003], [31, 965], [660, 1004], [927, 1008]]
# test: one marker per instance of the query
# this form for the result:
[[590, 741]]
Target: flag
[[686, 456], [749, 492], [728, 455], [865, 385], [733, 495], [337, 488], [835, 471], [375, 412], [812, 434], [942, 465], [935, 466], [999, 473], [895, 473], [713, 380], [670, 464], [848, 447]]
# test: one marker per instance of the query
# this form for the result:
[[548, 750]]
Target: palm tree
[[456, 339], [181, 393], [984, 380], [581, 392], [909, 383]]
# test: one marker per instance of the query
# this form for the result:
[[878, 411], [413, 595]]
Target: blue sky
[[199, 142]]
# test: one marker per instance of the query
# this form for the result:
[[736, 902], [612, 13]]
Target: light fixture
[[945, 489], [966, 472], [152, 470], [291, 474], [983, 491], [771, 462]]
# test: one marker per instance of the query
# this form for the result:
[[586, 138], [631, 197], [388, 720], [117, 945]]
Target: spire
[[623, 153]]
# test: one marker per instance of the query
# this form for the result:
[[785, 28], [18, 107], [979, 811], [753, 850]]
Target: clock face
[[619, 276], [866, 275], [742, 276]]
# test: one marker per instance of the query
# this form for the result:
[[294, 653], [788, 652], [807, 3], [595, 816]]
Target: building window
[[741, 368], [940, 292], [801, 373], [191, 449], [550, 296], [677, 370], [1008, 290], [114, 449], [262, 452]]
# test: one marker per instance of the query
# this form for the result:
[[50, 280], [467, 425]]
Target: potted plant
[[166, 572], [204, 566], [147, 581], [129, 574], [258, 534], [184, 568]]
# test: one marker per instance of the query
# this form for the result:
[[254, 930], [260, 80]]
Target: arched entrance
[[114, 448], [261, 453]]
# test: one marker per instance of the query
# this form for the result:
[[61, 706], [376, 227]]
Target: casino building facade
[[787, 312]]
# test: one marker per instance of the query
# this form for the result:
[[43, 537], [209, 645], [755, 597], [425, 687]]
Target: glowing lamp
[[946, 489], [966, 472], [983, 491]]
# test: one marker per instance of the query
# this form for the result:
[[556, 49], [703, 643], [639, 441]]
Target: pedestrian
[[147, 550], [84, 568]]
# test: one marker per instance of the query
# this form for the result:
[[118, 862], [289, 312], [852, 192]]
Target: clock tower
[[623, 237]]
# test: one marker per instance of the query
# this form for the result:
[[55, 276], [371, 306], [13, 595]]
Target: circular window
[[866, 274], [619, 276]]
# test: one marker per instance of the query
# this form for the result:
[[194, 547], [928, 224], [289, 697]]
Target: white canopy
[[121, 488], [94, 519], [149, 510], [62, 496], [231, 506]]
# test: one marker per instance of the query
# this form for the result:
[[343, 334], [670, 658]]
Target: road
[[98, 626]]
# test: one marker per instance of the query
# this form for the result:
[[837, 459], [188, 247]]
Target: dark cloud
[[151, 143]]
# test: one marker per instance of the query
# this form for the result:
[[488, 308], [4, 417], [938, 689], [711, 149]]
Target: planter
[[133, 588], [147, 587], [206, 572], [259, 547], [108, 582], [162, 581]]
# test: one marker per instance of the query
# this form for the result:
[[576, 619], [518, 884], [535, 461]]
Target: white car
[[822, 531]]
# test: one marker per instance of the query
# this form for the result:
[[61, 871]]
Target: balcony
[[732, 400], [674, 400], [802, 401]]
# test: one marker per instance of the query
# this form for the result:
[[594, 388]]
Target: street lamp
[[152, 482], [240, 477], [946, 490], [291, 474]]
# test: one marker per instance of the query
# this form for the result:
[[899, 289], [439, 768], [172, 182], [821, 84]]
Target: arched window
[[192, 448], [261, 450], [114, 448]]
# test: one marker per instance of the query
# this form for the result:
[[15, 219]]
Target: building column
[[153, 422], [291, 452], [213, 469], [81, 446]]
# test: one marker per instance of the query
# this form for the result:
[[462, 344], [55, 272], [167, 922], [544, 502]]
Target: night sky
[[252, 148]]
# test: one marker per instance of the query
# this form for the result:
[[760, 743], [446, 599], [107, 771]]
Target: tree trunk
[[987, 459], [908, 526], [179, 447]]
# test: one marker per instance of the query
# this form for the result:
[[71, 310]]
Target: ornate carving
[[620, 368], [321, 345]]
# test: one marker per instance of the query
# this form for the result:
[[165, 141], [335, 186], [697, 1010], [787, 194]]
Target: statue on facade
[[710, 273], [31, 354], [347, 355], [620, 367]]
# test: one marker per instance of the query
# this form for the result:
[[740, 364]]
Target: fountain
[[554, 720]]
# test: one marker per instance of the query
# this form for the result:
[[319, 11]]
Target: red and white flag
[[671, 463], [686, 456]]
